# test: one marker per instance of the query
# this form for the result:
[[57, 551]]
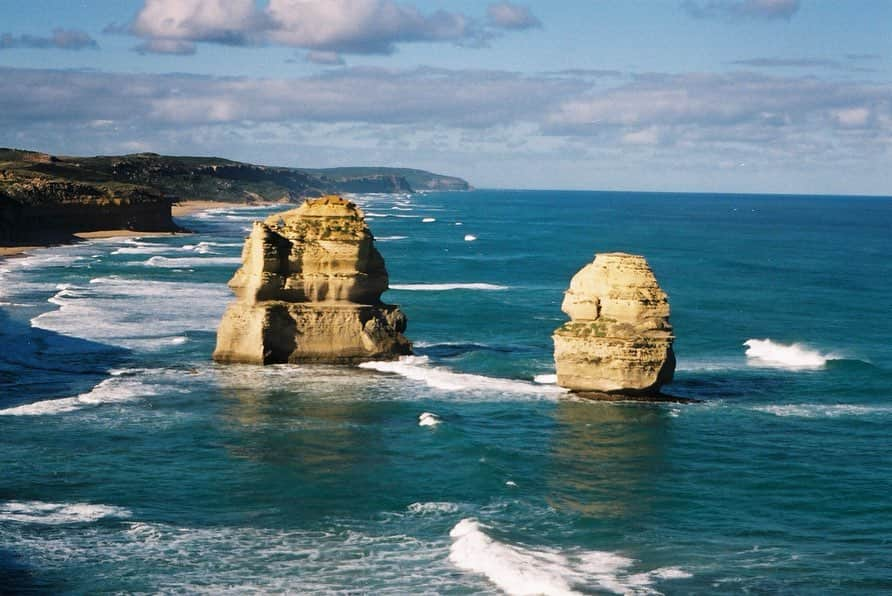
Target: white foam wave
[[433, 507], [390, 238], [114, 390], [135, 313], [429, 220], [445, 287], [428, 419], [470, 237], [38, 512], [546, 379], [520, 570], [178, 262], [418, 368], [144, 249], [768, 353], [823, 410]]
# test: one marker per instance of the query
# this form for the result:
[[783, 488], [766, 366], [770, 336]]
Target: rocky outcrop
[[618, 339], [309, 290], [38, 209]]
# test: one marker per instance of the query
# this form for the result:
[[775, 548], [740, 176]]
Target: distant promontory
[[46, 198]]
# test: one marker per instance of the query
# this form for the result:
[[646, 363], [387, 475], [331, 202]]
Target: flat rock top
[[327, 206]]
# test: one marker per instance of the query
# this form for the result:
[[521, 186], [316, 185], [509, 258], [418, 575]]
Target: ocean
[[132, 463]]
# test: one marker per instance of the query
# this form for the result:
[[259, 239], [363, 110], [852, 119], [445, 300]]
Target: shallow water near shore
[[132, 463]]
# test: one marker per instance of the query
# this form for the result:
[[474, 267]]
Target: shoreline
[[178, 209]]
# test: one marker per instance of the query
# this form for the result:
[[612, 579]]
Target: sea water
[[129, 462]]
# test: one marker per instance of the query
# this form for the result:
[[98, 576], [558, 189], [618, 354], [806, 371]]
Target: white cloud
[[639, 132], [343, 26], [506, 15]]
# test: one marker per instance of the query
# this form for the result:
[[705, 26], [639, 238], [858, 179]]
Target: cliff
[[618, 339], [45, 195], [36, 207], [309, 290]]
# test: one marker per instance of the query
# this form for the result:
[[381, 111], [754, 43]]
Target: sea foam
[[446, 287], [768, 353], [418, 368], [134, 313], [428, 419], [178, 262], [521, 570], [824, 410], [38, 512], [113, 390]]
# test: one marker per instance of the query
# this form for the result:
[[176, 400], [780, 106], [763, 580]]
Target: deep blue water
[[131, 463]]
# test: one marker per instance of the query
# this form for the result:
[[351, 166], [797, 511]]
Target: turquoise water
[[131, 463]]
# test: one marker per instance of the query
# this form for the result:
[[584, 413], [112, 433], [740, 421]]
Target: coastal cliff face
[[36, 208], [618, 339], [309, 290]]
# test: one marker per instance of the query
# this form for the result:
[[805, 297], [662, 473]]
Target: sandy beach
[[188, 207]]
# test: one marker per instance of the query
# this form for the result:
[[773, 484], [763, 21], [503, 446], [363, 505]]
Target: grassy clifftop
[[211, 177], [48, 196]]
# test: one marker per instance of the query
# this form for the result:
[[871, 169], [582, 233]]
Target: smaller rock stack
[[618, 339], [309, 290]]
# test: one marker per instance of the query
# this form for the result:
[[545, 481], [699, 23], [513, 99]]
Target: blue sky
[[667, 95]]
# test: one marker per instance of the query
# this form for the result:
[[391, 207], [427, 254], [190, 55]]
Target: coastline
[[182, 208], [179, 209]]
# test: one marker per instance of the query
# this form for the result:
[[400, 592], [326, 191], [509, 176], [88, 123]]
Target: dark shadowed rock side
[[618, 341], [309, 290]]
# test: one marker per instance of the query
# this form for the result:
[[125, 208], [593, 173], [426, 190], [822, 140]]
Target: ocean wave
[[179, 262], [143, 248], [134, 313], [445, 287], [428, 419], [546, 379], [768, 353], [114, 390], [38, 512], [432, 507], [429, 220], [389, 238], [418, 368], [520, 570], [824, 410]]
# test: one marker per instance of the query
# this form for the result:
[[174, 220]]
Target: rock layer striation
[[618, 339], [309, 290]]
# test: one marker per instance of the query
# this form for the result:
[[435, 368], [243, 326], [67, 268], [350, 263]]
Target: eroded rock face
[[309, 290], [618, 339]]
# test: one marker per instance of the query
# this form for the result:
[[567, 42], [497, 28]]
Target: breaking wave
[[824, 410], [446, 287], [177, 262], [113, 390], [526, 571], [418, 368], [38, 512], [768, 353]]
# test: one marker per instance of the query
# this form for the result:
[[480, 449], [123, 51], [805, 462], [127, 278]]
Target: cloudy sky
[[667, 95]]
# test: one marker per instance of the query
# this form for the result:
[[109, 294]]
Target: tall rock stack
[[618, 339], [309, 290]]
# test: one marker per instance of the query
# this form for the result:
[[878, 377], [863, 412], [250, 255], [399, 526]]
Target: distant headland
[[48, 199]]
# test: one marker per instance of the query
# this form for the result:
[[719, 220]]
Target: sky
[[765, 96]]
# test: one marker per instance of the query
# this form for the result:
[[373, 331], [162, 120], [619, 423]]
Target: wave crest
[[522, 570], [418, 368], [768, 353], [445, 287]]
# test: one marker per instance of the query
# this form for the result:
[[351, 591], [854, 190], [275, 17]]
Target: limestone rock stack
[[309, 290], [618, 339]]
